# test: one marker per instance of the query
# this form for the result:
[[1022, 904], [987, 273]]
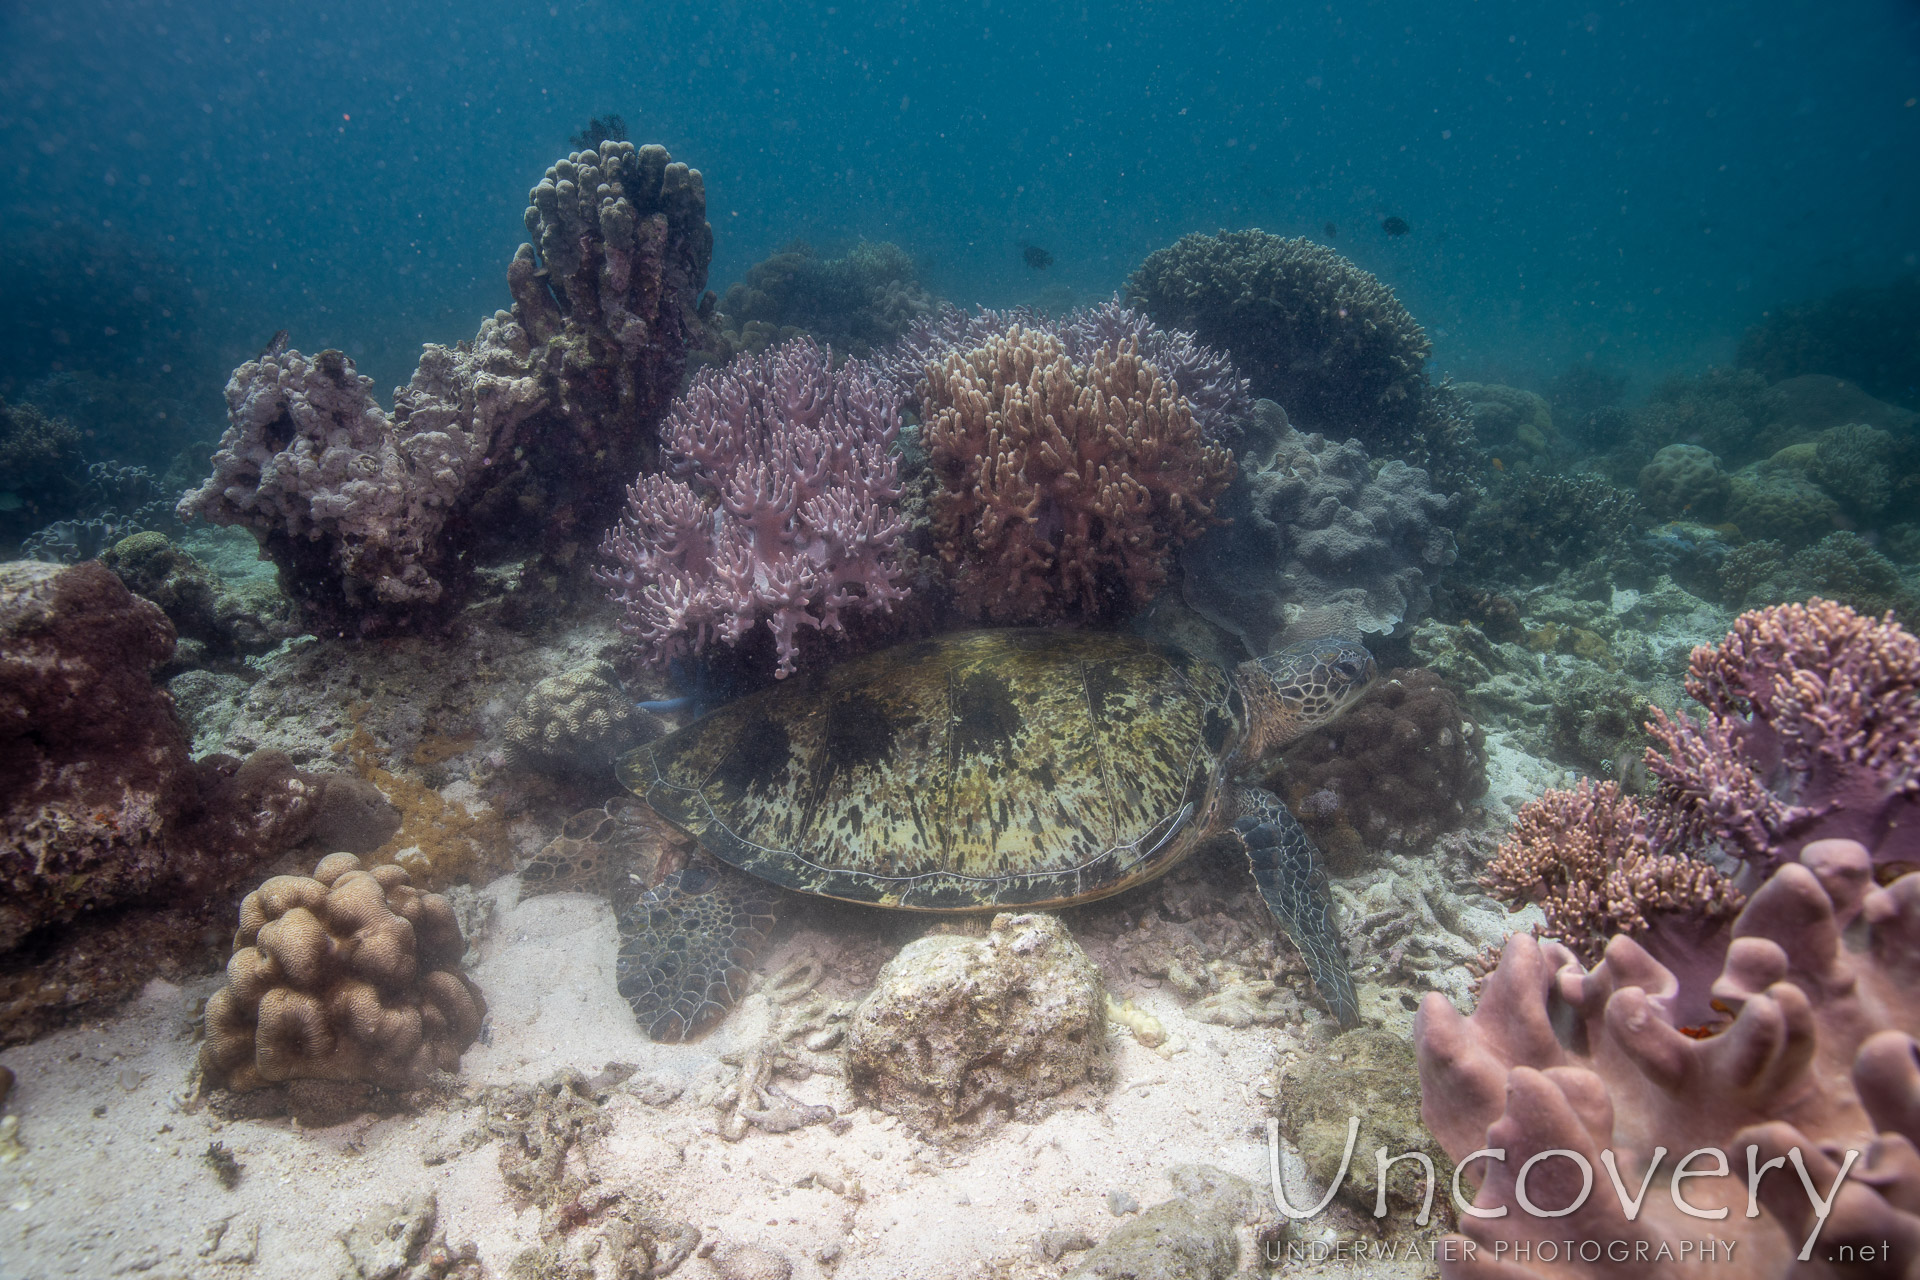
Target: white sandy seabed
[[113, 1180]]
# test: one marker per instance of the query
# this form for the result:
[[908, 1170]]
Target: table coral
[[1065, 488], [779, 507], [350, 974]]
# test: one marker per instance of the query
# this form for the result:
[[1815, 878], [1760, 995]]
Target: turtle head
[[1296, 690]]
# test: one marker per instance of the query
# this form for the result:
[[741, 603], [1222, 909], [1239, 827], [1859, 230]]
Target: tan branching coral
[[1597, 865], [350, 974], [1065, 488]]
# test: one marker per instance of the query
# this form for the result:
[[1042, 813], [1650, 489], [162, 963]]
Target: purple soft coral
[[1811, 731], [780, 506]]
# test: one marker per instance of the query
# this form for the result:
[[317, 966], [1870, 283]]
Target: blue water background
[[1630, 182]]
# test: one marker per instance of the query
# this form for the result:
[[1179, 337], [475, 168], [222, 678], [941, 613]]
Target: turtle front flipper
[[1286, 866], [688, 946]]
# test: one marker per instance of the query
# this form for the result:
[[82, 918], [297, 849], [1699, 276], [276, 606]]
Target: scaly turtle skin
[[969, 772]]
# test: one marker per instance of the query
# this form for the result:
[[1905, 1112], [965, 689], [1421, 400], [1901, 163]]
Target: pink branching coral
[[1567, 1076], [1811, 731], [779, 506], [1593, 860], [1065, 488]]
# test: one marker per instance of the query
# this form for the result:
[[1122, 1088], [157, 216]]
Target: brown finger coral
[[350, 974], [1065, 488]]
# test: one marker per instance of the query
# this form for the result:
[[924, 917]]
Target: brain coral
[[350, 974]]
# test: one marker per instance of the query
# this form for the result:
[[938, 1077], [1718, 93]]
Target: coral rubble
[[349, 974], [1065, 488], [778, 507]]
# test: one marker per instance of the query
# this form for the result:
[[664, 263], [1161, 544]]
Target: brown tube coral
[[350, 974], [1065, 488]]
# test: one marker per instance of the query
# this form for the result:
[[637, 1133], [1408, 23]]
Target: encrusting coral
[[779, 506], [349, 974], [1065, 488], [523, 436], [1317, 539]]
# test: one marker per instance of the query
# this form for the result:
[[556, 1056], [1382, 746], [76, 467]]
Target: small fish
[[1036, 257], [1499, 465], [1332, 231], [275, 347], [1395, 226]]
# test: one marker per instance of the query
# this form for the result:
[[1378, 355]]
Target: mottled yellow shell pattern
[[970, 771]]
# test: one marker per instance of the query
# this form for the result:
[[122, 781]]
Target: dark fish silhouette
[[1036, 257], [1395, 226], [273, 348], [1332, 231]]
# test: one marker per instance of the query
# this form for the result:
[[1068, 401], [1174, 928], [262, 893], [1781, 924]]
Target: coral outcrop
[[1863, 334], [520, 438], [355, 505], [103, 805], [1403, 766], [108, 826], [1533, 526], [1065, 488], [1511, 424], [1370, 1073], [779, 507], [42, 477], [1843, 567], [1778, 498], [1684, 480], [965, 1032], [348, 974], [202, 607], [1313, 332], [1808, 1060], [1318, 540]]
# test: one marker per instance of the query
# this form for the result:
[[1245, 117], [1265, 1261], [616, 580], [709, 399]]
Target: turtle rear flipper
[[1287, 868], [688, 946]]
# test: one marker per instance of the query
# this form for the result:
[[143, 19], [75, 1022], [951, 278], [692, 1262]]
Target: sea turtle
[[968, 772]]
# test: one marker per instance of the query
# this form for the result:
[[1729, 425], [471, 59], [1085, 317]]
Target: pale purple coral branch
[[780, 505]]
